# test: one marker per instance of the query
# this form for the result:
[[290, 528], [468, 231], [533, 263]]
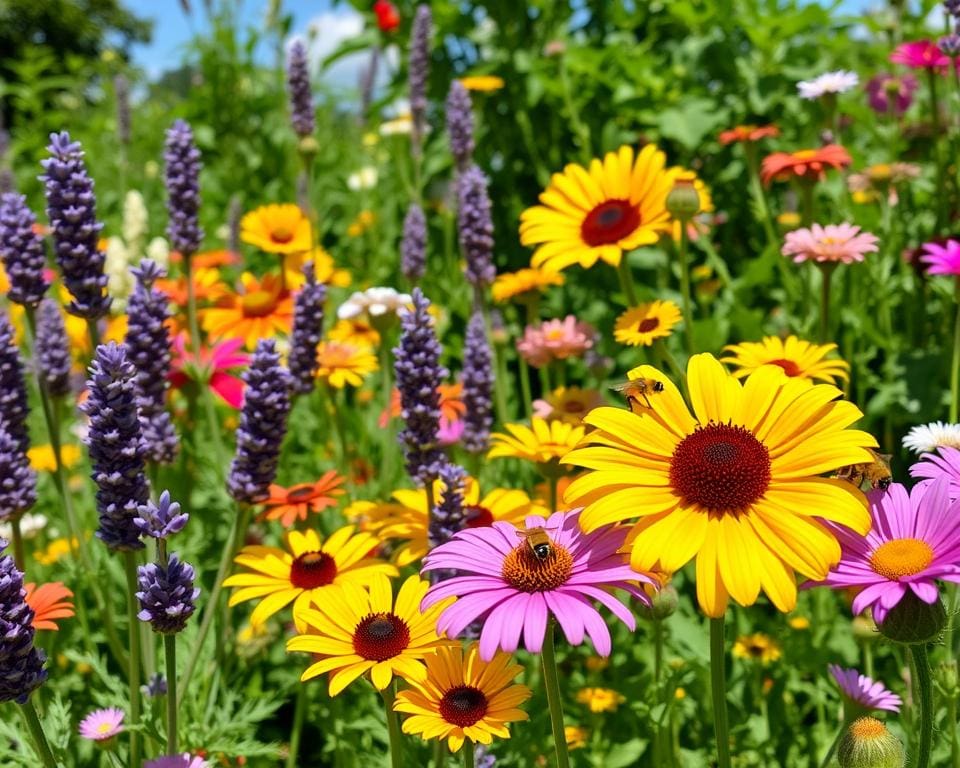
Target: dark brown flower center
[[574, 406], [609, 222], [301, 493], [478, 517], [721, 468], [281, 235], [463, 706], [648, 324], [258, 303], [789, 367], [312, 570], [381, 636], [523, 570]]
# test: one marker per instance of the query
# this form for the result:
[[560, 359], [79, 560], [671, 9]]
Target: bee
[[634, 389], [537, 540], [876, 472]]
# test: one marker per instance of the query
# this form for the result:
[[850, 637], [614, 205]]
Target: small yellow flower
[[342, 365], [642, 325], [799, 622], [54, 551], [600, 699], [363, 221], [279, 229], [575, 736], [789, 219], [482, 83], [42, 458], [758, 647], [798, 359], [357, 331], [524, 284], [679, 694], [544, 442]]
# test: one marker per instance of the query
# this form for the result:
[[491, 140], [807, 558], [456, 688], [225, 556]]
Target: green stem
[[626, 281], [924, 693], [170, 654], [525, 390], [36, 733], [932, 76], [299, 715], [581, 131], [952, 725], [955, 365], [834, 744], [388, 433], [826, 272], [760, 195], [93, 331], [469, 755], [552, 483], [130, 563], [657, 654], [551, 682], [192, 323], [393, 726], [685, 290], [439, 753], [806, 203], [718, 681], [18, 556]]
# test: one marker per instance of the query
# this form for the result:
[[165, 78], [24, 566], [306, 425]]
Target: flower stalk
[[130, 566], [924, 694], [35, 727], [393, 726], [551, 682], [718, 684]]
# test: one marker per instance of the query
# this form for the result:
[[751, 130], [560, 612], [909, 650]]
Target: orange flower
[[295, 502], [452, 406], [810, 164], [260, 311], [748, 133], [49, 602], [209, 259], [207, 286]]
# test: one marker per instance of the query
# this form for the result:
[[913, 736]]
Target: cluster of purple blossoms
[[160, 520], [413, 245], [298, 89], [22, 251], [263, 424], [419, 70], [71, 209], [460, 125], [18, 483], [418, 374], [477, 386], [52, 350], [448, 517], [183, 188], [475, 225], [306, 332], [167, 595], [13, 389], [21, 664]]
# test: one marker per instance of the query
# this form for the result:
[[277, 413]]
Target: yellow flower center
[[805, 154], [901, 557], [523, 570], [258, 303], [104, 727]]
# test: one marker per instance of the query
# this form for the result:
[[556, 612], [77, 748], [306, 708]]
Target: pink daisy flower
[[212, 367], [186, 760], [913, 542], [832, 243], [942, 259], [555, 340], [102, 724], [514, 590], [944, 463], [864, 692], [920, 54]]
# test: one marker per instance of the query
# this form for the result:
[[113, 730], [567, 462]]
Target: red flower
[[388, 18], [294, 503], [748, 133], [809, 164]]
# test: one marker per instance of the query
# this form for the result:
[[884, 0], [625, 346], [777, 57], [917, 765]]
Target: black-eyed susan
[[543, 442], [524, 284], [342, 365], [464, 698], [354, 631], [616, 206], [280, 229], [736, 484], [640, 326], [304, 571], [798, 359], [757, 647]]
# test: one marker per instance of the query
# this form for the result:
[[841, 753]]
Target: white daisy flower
[[374, 302], [925, 438], [365, 178], [840, 81]]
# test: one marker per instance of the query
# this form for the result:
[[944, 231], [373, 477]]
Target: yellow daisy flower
[[304, 571], [324, 269], [575, 736], [355, 631], [600, 699], [55, 551], [356, 331], [736, 484], [640, 326], [799, 359], [523, 283], [42, 458], [342, 365], [616, 206], [544, 442], [464, 698], [758, 647], [280, 229], [482, 83]]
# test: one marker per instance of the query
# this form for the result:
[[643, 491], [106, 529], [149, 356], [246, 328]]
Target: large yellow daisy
[[304, 571], [280, 229], [464, 698], [523, 284], [616, 206], [342, 365], [735, 484], [640, 326], [261, 310], [799, 359], [354, 631]]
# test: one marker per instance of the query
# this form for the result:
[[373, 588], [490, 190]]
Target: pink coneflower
[[211, 367], [863, 692], [886, 92], [944, 463], [942, 259], [186, 760], [921, 54], [555, 340], [102, 724], [914, 541], [514, 589], [832, 243]]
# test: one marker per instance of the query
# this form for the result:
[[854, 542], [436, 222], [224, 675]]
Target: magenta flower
[[832, 243], [942, 259], [186, 760], [913, 542], [863, 692], [211, 367], [921, 54], [886, 91], [512, 590], [944, 463], [555, 340], [102, 724]]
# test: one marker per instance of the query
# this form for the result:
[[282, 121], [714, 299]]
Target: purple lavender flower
[[418, 374], [148, 347], [52, 350], [121, 89], [156, 686], [448, 516], [115, 446], [167, 595], [367, 80], [183, 188], [477, 386], [22, 251], [476, 227], [72, 211], [863, 692], [263, 424], [306, 333], [21, 664], [952, 7], [419, 70], [950, 44], [460, 124], [160, 520], [18, 483], [13, 390], [413, 245], [298, 89]]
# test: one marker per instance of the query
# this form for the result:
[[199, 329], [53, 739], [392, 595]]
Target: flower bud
[[308, 147], [868, 743], [864, 628], [914, 622], [663, 603], [683, 202], [945, 675]]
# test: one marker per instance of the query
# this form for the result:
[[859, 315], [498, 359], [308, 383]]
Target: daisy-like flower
[[575, 736], [325, 269], [600, 699], [356, 331], [925, 438], [355, 631], [211, 367], [863, 692], [260, 310], [186, 760], [616, 206], [464, 698], [748, 134], [913, 542], [514, 591], [640, 326], [886, 91], [304, 571], [452, 407], [342, 365], [406, 519], [839, 81], [102, 724], [799, 359], [543, 442], [567, 404], [280, 229], [294, 503], [373, 303], [42, 459], [942, 259], [731, 484], [363, 178], [48, 603], [757, 647], [555, 340], [806, 164], [524, 284], [944, 462], [482, 83], [832, 243], [921, 54]]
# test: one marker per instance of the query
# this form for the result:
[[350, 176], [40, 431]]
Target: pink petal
[[925, 590], [229, 388], [568, 612], [535, 623]]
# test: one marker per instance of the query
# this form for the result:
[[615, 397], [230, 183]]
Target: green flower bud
[[864, 628], [868, 743], [914, 622], [683, 202], [663, 603], [308, 147]]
